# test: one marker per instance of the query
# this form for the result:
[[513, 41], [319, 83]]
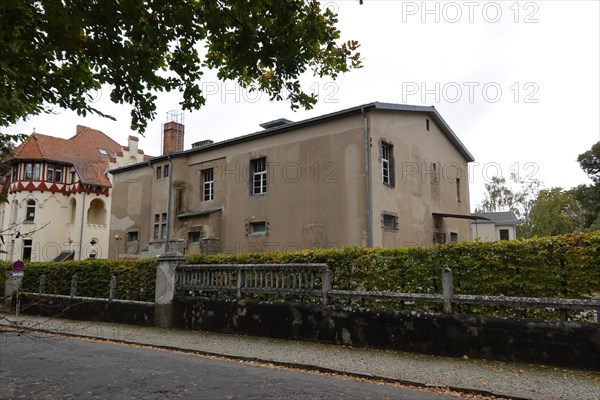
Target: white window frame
[[386, 163], [208, 189], [259, 176]]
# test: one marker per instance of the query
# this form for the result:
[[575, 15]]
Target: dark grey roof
[[194, 213], [448, 132], [498, 218]]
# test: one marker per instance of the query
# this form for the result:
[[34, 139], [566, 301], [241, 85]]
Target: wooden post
[[112, 287], [74, 285], [326, 285], [42, 287], [447, 289]]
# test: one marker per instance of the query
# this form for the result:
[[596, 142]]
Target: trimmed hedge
[[135, 278], [561, 266]]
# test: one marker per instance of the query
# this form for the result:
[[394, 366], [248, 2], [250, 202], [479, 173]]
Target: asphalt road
[[42, 366]]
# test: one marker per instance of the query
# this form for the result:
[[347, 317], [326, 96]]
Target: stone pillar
[[165, 288], [10, 287]]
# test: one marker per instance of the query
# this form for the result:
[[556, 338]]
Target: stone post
[[447, 290], [10, 287], [165, 288]]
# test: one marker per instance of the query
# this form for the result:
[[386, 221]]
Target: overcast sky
[[518, 82]]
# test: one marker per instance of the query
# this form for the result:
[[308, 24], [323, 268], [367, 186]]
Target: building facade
[[59, 196], [492, 226], [377, 175]]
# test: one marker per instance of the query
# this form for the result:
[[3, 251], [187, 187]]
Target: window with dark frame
[[54, 173], [504, 234], [258, 228], [15, 172], [194, 237], [160, 226], [453, 237], [158, 172], [389, 222], [165, 171], [458, 196], [258, 170], [387, 164], [30, 214], [207, 185], [132, 236]]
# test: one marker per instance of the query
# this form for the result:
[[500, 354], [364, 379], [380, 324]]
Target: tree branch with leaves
[[57, 53]]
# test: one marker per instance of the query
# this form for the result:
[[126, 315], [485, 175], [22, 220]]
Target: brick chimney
[[173, 134]]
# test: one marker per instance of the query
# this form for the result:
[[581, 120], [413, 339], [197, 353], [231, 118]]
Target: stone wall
[[570, 344], [88, 309]]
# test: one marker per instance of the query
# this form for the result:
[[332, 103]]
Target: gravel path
[[519, 380]]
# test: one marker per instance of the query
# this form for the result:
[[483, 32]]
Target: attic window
[[102, 152]]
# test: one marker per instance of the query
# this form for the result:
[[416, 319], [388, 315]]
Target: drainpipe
[[170, 191], [82, 217], [368, 202]]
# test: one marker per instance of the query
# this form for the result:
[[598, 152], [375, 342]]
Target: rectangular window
[[458, 196], [389, 222], [163, 227], [504, 234], [160, 226], [439, 238], [387, 164], [259, 176], [166, 171], [194, 237], [158, 172], [73, 177], [54, 173], [132, 236], [15, 172], [258, 228], [207, 185], [30, 212], [27, 247], [36, 171], [28, 171], [427, 123], [453, 237]]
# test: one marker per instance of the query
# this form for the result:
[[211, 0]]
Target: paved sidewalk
[[519, 380]]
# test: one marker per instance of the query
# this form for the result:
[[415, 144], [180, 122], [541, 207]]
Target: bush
[[561, 266], [135, 278]]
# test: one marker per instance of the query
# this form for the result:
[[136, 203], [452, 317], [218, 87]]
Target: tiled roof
[[498, 218], [81, 151]]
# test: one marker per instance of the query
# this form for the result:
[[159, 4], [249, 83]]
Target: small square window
[[453, 237], [504, 234], [258, 228], [389, 222], [132, 236], [194, 237]]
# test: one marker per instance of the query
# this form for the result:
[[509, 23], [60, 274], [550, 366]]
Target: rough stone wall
[[553, 342]]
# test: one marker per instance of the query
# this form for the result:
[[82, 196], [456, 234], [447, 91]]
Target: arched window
[[96, 213], [30, 215], [72, 209]]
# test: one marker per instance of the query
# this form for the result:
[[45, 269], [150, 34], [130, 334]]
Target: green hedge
[[559, 266], [135, 278]]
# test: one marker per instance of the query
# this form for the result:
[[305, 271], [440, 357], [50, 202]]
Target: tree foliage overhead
[[59, 52]]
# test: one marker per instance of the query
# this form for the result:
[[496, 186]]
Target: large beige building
[[58, 195], [377, 175]]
